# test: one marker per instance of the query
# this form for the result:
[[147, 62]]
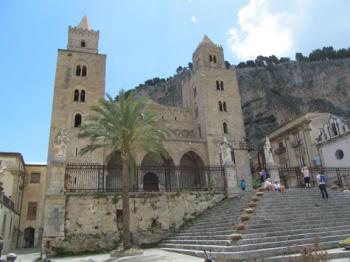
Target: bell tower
[[79, 83], [213, 95]]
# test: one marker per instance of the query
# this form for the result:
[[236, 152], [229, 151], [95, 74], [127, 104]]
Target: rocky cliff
[[274, 94]]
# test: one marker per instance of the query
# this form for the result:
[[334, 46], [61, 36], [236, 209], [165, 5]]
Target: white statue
[[225, 150], [268, 152], [60, 143]]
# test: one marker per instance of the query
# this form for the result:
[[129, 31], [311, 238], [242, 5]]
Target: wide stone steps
[[279, 222]]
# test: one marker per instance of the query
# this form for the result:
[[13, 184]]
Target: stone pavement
[[149, 255]]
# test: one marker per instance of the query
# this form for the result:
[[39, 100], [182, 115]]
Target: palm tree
[[124, 126]]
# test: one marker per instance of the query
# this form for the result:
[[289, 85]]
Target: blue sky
[[142, 39]]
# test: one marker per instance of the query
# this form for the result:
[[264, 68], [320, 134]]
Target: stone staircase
[[280, 224]]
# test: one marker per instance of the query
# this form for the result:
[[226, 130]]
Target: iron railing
[[339, 176], [103, 178]]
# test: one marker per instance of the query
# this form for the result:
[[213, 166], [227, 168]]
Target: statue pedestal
[[232, 183], [274, 173]]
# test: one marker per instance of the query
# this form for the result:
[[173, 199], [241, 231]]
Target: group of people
[[321, 181], [267, 183]]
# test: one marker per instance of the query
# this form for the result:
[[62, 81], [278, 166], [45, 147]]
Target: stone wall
[[94, 221]]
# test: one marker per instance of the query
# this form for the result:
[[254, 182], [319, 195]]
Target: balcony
[[280, 150], [297, 143]]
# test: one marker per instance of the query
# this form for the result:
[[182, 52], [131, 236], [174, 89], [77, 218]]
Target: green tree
[[124, 126]]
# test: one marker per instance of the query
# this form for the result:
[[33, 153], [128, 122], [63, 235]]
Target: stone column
[[232, 181]]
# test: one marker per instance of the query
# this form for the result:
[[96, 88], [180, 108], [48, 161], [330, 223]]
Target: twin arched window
[[77, 120], [220, 85], [212, 58], [81, 70], [79, 96], [222, 106]]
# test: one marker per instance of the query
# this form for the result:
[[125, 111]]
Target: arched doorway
[[164, 170], [192, 175], [114, 180], [29, 237], [150, 182]]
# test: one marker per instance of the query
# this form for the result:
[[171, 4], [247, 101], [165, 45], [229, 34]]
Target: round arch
[[192, 171], [150, 182], [164, 170]]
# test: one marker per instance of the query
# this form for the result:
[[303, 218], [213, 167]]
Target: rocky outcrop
[[275, 94]]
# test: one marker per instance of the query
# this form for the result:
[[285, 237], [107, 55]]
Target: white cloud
[[194, 20], [262, 32]]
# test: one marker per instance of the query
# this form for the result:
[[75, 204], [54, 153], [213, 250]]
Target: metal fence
[[102, 178], [293, 176]]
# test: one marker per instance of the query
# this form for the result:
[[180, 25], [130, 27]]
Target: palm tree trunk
[[125, 198]]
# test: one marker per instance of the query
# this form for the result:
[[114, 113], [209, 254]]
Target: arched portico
[[114, 175], [192, 173], [164, 169]]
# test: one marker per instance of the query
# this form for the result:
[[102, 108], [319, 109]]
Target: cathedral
[[203, 132]]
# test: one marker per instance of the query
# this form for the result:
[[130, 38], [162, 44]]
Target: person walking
[[242, 185], [306, 174], [321, 180]]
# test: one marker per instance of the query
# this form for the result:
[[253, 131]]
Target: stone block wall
[[94, 221]]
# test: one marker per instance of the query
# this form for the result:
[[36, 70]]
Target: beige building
[[32, 213], [294, 144], [204, 130], [12, 172]]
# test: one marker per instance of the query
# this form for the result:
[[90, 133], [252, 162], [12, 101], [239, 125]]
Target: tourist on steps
[[242, 185], [306, 174], [321, 180]]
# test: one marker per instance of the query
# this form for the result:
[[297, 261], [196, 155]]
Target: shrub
[[252, 204], [345, 243], [235, 237], [255, 198], [249, 210], [256, 183], [259, 194], [240, 227], [244, 217]]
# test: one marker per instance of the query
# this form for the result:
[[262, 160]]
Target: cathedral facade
[[203, 131]]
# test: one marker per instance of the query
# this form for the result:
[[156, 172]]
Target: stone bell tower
[[212, 93], [79, 83]]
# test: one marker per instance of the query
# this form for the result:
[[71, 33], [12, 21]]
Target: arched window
[[214, 59], [210, 58], [221, 85], [83, 43], [78, 70], [334, 129], [224, 106], [220, 106], [224, 125], [217, 85], [77, 120], [82, 96], [76, 95], [84, 71]]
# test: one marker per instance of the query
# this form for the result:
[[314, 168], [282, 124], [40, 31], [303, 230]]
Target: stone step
[[250, 247], [255, 254]]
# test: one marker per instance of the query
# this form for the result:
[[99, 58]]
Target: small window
[[194, 91], [224, 106], [334, 129], [82, 96], [220, 106], [84, 71], [76, 95], [199, 131], [217, 85], [233, 156], [214, 59], [35, 178], [77, 120], [222, 85], [78, 70], [224, 125], [339, 154], [31, 212], [83, 43], [210, 58]]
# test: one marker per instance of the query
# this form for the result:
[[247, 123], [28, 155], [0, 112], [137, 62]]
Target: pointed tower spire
[[84, 23], [206, 39]]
